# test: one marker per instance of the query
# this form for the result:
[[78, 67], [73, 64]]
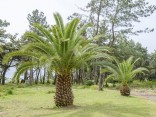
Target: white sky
[[16, 11]]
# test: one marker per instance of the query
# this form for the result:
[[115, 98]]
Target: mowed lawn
[[37, 101]]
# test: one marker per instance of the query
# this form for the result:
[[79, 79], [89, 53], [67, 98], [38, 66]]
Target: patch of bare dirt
[[145, 93], [2, 114]]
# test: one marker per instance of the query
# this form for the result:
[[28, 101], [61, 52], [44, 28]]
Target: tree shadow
[[109, 110], [54, 111]]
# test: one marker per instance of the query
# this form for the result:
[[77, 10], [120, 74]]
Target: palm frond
[[59, 22], [33, 36], [71, 28], [19, 53], [125, 70], [22, 68], [81, 30]]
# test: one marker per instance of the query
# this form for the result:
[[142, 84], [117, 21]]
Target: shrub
[[52, 91], [21, 86], [94, 87], [89, 82], [9, 92], [83, 87]]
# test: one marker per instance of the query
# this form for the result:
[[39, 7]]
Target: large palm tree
[[60, 48], [124, 72]]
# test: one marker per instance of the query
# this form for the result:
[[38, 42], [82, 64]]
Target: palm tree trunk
[[125, 90], [63, 95]]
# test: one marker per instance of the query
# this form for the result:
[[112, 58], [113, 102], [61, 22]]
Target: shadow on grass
[[107, 110]]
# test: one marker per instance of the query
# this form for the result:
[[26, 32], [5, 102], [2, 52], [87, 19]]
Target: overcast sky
[[16, 11]]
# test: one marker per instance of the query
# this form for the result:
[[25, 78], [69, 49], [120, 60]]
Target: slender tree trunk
[[76, 77], [54, 82], [98, 18], [96, 79], [48, 77], [113, 24], [80, 75], [26, 75], [44, 75], [113, 35], [63, 95], [95, 71], [101, 78], [3, 75], [37, 75], [31, 77]]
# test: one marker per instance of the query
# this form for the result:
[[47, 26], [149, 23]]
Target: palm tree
[[123, 72], [61, 49]]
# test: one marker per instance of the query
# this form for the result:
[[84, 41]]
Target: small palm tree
[[61, 49], [123, 72]]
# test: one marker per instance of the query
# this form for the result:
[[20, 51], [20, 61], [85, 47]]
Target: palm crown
[[124, 71]]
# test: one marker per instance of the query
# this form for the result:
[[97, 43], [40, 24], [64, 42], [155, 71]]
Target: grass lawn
[[37, 101]]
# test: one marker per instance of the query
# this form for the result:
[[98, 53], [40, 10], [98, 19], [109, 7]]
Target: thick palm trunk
[[63, 95], [125, 90]]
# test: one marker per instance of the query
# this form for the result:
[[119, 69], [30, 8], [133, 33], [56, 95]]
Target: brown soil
[[144, 93]]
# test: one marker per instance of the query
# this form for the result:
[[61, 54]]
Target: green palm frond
[[34, 37], [81, 30], [59, 22], [22, 68], [40, 47], [19, 53], [71, 28], [124, 71], [44, 32]]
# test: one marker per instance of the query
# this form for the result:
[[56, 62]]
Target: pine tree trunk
[[31, 77], [55, 77], [3, 75], [101, 77], [37, 75], [48, 77], [26, 75], [44, 75], [63, 95]]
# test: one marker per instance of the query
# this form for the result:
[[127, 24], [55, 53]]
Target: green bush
[[21, 86], [83, 87], [52, 91], [89, 82], [94, 87], [9, 92], [143, 84]]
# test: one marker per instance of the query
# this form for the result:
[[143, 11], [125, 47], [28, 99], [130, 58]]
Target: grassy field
[[37, 101]]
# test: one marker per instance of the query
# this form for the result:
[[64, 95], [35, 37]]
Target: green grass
[[37, 101]]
